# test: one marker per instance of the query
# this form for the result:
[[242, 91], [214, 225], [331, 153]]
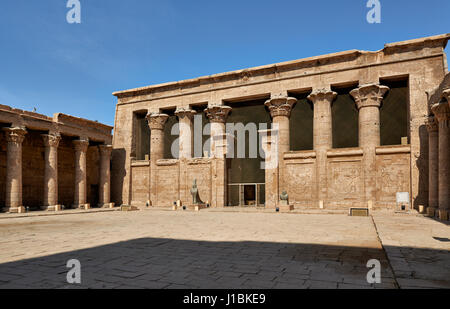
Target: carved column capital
[[442, 113], [105, 150], [51, 140], [15, 135], [156, 121], [319, 95], [446, 95], [280, 105], [183, 112], [431, 124], [81, 145], [217, 113], [369, 95]]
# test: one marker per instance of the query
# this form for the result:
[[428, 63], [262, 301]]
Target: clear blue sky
[[73, 68]]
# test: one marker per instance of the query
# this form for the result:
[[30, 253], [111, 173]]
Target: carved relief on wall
[[345, 181], [300, 181], [140, 181], [392, 176], [167, 180]]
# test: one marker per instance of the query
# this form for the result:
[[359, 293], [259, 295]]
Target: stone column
[[80, 195], [185, 116], [280, 107], [104, 188], [446, 95], [368, 100], [51, 142], [322, 137], [156, 124], [433, 143], [14, 138], [269, 141], [217, 115], [442, 113]]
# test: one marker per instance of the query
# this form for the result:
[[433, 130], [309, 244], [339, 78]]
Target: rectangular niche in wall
[[344, 116], [171, 135], [301, 122], [141, 135], [394, 112]]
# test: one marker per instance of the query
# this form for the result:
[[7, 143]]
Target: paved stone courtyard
[[211, 249]]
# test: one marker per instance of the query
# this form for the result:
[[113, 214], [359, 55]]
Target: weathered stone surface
[[332, 178]]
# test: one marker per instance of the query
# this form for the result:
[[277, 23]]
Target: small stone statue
[[194, 192], [284, 198]]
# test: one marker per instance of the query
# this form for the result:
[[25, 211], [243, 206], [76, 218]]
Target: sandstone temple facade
[[353, 129], [48, 163]]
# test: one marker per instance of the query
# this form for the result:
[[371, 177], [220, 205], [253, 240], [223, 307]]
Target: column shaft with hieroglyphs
[[51, 142], [185, 116], [217, 115], [14, 138], [322, 136], [368, 100], [442, 113], [433, 170], [156, 124], [280, 107], [81, 146], [105, 176]]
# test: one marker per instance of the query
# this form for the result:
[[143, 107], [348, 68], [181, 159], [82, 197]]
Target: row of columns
[[13, 202], [368, 99], [439, 158], [217, 115]]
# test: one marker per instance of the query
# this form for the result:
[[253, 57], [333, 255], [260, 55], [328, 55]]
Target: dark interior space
[[394, 112], [344, 114], [248, 169], [141, 136], [301, 122], [200, 131], [170, 140]]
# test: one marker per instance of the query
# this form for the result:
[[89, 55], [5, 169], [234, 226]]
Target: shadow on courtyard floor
[[172, 263]]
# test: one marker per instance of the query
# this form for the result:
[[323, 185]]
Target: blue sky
[[73, 68]]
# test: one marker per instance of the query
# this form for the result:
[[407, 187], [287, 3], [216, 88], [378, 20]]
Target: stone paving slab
[[418, 249], [164, 249]]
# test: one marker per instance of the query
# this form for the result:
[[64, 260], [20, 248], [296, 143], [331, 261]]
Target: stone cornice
[[369, 95], [156, 121], [217, 113], [59, 123], [280, 106], [51, 140], [15, 135], [246, 74]]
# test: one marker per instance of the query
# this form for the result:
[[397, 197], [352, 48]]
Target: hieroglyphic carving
[[300, 181], [345, 180], [392, 176]]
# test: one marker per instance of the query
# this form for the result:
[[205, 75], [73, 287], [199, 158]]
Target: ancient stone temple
[[48, 163], [350, 129]]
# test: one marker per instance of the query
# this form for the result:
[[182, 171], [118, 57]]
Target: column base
[[52, 208], [15, 210], [443, 214], [106, 205], [431, 211], [82, 206]]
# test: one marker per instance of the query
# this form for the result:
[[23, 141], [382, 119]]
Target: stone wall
[[420, 62]]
